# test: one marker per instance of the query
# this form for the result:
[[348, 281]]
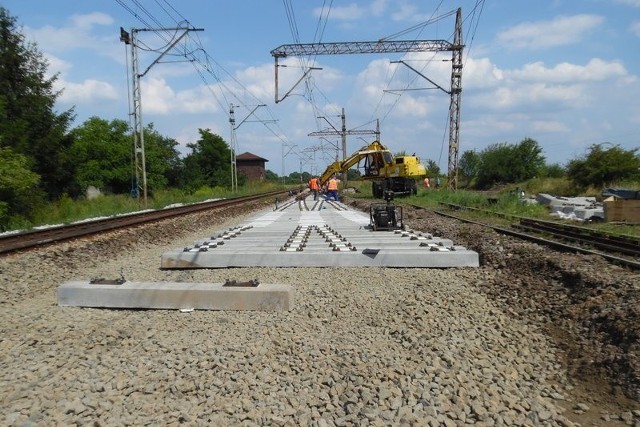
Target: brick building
[[251, 165]]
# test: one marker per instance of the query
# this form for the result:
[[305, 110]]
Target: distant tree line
[[603, 165]]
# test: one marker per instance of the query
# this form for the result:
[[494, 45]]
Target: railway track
[[622, 250], [35, 238], [628, 245]]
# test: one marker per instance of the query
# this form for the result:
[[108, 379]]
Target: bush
[[601, 168]]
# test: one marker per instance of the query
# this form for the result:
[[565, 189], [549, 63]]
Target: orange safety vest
[[313, 184], [333, 184]]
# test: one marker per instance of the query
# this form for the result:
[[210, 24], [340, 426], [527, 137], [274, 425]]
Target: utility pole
[[136, 99], [343, 134], [454, 105], [234, 170], [234, 140]]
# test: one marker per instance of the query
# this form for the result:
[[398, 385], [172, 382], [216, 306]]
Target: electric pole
[[234, 140], [130, 39], [343, 134]]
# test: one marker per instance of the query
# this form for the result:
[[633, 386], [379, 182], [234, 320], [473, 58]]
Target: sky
[[562, 72]]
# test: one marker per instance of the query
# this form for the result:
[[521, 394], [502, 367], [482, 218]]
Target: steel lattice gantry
[[342, 48], [397, 46]]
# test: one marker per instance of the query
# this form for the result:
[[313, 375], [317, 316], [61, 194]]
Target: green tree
[[208, 163], [19, 191], [469, 164], [602, 167], [103, 153], [495, 162], [163, 164], [270, 175], [28, 122], [433, 169], [507, 163], [528, 160], [554, 170]]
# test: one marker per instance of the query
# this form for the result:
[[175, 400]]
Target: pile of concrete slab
[[576, 208]]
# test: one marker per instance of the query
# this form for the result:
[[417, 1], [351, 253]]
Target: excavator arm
[[375, 149]]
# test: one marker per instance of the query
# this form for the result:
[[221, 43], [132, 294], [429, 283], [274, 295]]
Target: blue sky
[[563, 72]]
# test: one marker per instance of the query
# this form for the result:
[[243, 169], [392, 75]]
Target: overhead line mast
[[130, 38], [397, 46]]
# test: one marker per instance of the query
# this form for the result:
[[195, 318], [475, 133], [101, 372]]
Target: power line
[[204, 66]]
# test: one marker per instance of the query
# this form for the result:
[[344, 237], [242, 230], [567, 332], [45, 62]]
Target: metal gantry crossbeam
[[379, 46]]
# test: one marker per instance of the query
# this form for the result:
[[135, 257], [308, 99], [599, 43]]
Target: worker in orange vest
[[314, 186], [332, 189]]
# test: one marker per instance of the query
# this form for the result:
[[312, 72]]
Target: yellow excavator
[[388, 173]]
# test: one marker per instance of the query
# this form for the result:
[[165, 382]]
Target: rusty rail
[[607, 251], [34, 238]]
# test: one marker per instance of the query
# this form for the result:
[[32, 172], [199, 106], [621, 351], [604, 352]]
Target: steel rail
[[33, 238], [623, 244], [551, 243]]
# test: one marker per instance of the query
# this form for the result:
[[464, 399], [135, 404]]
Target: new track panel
[[328, 234]]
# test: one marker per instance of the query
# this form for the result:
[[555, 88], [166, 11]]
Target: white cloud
[[549, 126], [259, 81], [56, 65], [531, 97], [536, 87], [378, 7], [78, 35], [480, 73], [351, 12], [635, 27], [560, 31], [595, 70], [89, 20], [409, 106], [157, 96], [87, 92], [196, 100]]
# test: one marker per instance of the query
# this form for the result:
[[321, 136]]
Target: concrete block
[[176, 295], [588, 213], [544, 199]]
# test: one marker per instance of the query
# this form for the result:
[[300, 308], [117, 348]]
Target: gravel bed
[[363, 346]]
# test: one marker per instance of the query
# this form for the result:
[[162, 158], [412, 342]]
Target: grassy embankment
[[66, 210], [505, 203]]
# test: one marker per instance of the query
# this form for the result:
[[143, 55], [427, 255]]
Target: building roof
[[249, 156]]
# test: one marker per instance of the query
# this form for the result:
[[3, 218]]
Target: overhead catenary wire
[[204, 64], [475, 15], [226, 89]]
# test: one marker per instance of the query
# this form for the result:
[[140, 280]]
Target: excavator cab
[[386, 216]]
